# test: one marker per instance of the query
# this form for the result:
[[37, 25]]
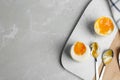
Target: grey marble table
[[32, 35]]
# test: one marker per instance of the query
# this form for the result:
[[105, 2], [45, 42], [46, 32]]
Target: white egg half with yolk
[[103, 26], [80, 51]]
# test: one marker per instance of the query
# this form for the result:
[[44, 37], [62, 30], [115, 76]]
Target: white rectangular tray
[[84, 32]]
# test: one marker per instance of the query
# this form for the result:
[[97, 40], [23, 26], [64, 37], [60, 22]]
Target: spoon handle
[[96, 69], [102, 72], [119, 59]]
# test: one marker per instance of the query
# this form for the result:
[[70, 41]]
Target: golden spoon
[[106, 58], [95, 54]]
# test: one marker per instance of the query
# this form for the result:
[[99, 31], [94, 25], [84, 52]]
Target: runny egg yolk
[[105, 24], [79, 48]]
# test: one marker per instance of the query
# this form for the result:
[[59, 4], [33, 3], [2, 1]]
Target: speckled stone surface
[[32, 35]]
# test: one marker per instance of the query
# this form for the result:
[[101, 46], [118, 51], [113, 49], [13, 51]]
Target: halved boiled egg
[[103, 26], [80, 51]]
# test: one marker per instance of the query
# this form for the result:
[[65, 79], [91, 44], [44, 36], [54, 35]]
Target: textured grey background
[[32, 35]]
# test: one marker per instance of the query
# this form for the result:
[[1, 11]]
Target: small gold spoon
[[94, 52], [106, 59]]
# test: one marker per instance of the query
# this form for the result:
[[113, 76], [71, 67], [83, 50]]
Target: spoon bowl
[[107, 57]]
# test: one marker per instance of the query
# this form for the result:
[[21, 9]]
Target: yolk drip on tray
[[79, 48]]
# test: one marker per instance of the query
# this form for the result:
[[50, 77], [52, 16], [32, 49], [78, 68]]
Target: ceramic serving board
[[84, 32]]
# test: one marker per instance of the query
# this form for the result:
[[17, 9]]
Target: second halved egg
[[80, 51]]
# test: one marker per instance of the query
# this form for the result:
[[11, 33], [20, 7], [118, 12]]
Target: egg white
[[80, 58]]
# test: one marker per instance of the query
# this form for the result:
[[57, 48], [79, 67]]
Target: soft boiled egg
[[103, 26], [80, 51]]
